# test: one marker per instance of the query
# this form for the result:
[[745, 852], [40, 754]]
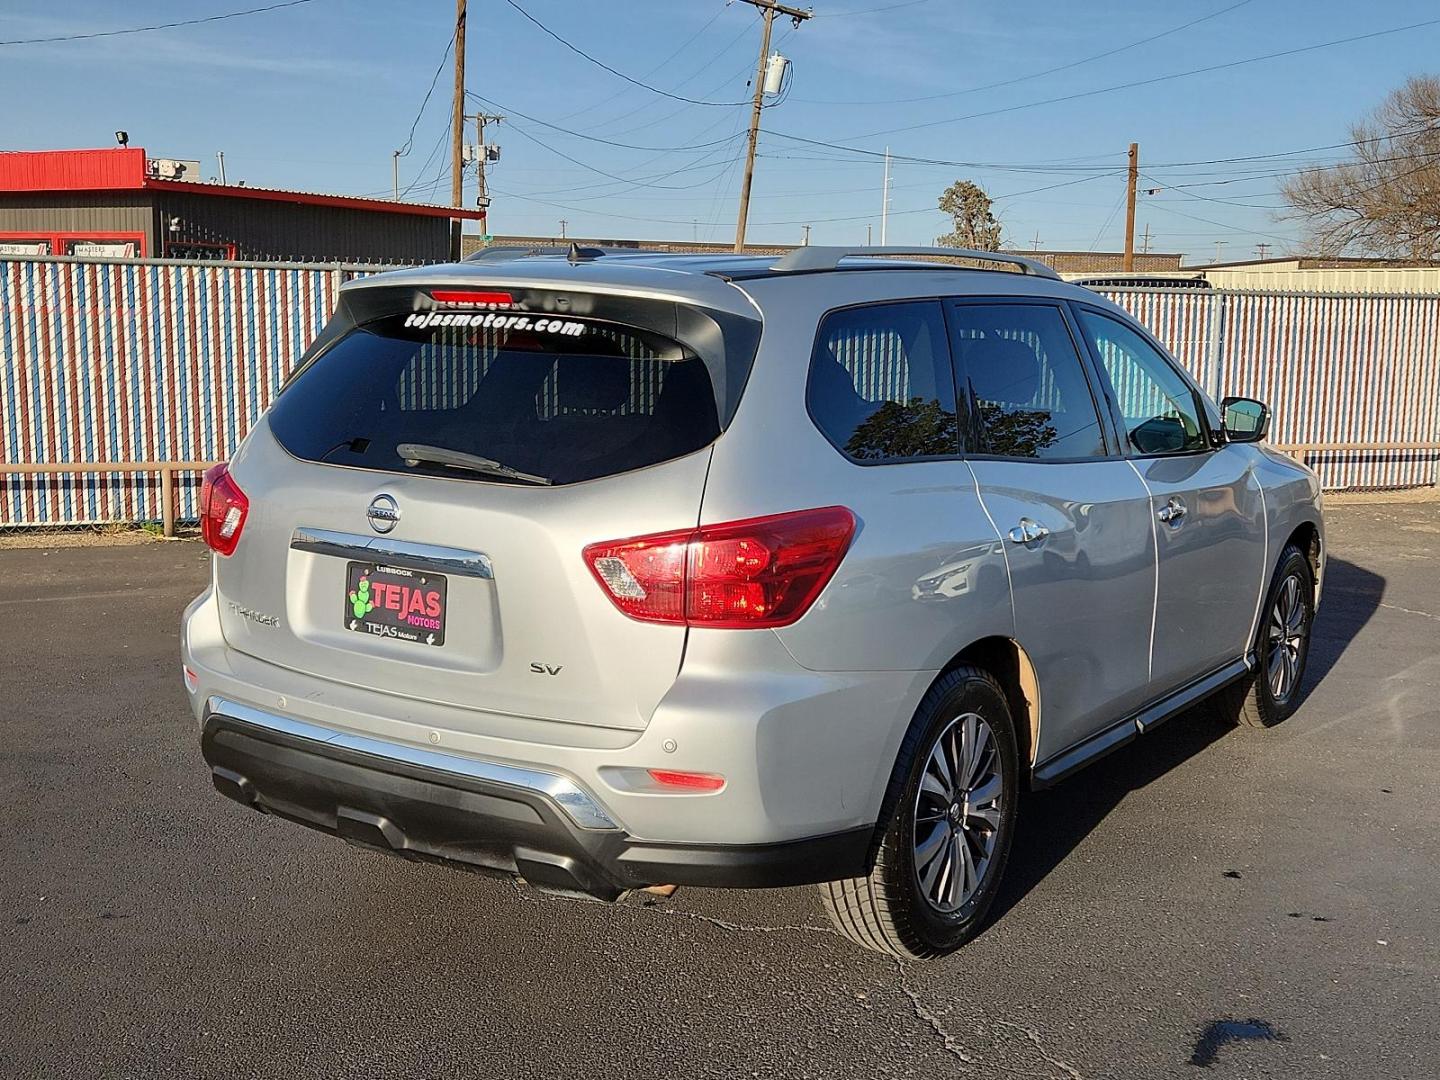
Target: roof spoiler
[[828, 258]]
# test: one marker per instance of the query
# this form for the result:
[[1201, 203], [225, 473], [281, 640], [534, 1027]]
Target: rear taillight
[[223, 508], [762, 572]]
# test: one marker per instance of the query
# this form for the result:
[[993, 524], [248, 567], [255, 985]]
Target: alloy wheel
[[958, 813], [1287, 630]]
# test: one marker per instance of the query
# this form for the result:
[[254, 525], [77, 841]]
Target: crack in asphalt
[[922, 1013], [746, 927], [1409, 611], [1034, 1036], [952, 1044]]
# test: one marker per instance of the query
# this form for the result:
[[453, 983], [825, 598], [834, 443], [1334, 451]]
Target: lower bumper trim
[[412, 808]]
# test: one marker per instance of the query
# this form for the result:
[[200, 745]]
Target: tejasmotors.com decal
[[490, 320]]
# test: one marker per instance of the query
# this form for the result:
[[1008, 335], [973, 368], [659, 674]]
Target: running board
[[1146, 720]]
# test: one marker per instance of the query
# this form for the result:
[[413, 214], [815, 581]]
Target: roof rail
[[828, 258], [499, 253]]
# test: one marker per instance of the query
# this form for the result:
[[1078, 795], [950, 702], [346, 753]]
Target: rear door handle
[[1172, 511], [1028, 532]]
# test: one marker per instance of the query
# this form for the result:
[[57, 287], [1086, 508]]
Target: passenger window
[[880, 384], [1162, 414], [1027, 390]]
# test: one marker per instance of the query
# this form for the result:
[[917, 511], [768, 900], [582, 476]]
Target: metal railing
[[166, 471]]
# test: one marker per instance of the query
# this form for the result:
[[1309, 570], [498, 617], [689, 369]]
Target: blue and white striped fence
[[115, 361], [1334, 368]]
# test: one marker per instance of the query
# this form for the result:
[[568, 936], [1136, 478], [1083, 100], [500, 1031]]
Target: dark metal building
[[120, 202]]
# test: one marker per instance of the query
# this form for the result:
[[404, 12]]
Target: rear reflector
[[223, 508], [192, 680], [761, 572], [471, 298], [689, 781]]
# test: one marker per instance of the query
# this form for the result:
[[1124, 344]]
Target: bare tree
[[969, 208], [1386, 200]]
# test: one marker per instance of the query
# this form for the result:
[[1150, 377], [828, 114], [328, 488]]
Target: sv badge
[[545, 669]]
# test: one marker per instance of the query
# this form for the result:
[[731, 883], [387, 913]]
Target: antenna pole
[[885, 202]]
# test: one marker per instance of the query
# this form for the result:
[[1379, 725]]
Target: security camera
[[123, 138]]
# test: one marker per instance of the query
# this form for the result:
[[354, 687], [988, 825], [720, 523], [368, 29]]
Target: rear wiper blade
[[415, 453]]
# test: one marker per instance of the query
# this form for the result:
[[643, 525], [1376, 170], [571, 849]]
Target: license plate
[[393, 602]]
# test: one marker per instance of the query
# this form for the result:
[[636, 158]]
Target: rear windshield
[[510, 399]]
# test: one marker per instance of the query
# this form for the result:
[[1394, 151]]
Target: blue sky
[[318, 96]]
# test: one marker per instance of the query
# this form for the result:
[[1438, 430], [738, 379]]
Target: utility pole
[[769, 7], [1218, 245], [1037, 241], [1132, 178], [563, 223], [482, 156], [1145, 240], [806, 241], [395, 174], [867, 235], [457, 129], [1262, 250], [885, 200]]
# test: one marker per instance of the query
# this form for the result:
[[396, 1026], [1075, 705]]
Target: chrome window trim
[[442, 560], [577, 803]]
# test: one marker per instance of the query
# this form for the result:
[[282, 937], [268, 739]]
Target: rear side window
[[540, 400], [880, 384], [1026, 387]]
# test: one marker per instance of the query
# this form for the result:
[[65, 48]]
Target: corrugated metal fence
[[1334, 369], [159, 361], [140, 361]]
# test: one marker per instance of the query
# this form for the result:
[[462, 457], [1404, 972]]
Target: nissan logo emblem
[[383, 513]]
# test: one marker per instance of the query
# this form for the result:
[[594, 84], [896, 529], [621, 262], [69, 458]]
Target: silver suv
[[616, 570]]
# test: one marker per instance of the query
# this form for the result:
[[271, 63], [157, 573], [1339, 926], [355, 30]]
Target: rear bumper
[[482, 815]]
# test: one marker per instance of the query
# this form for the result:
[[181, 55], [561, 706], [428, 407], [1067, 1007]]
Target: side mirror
[[1246, 420]]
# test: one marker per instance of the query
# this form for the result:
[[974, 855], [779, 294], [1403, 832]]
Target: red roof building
[[121, 202]]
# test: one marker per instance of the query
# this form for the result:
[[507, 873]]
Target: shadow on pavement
[[1349, 599], [1053, 822]]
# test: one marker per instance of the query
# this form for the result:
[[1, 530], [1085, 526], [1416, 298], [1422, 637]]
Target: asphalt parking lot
[[1285, 883]]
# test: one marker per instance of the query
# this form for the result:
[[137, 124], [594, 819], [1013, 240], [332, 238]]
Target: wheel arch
[[1307, 537], [1006, 659]]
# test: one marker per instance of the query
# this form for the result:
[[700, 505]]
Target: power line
[[410, 139], [591, 138], [716, 88], [1165, 207], [1424, 129], [1032, 75], [420, 173], [157, 26], [586, 165], [618, 74], [869, 11], [678, 50], [1024, 167], [1148, 82]]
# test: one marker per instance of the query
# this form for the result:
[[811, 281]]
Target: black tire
[[887, 911], [1254, 700]]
